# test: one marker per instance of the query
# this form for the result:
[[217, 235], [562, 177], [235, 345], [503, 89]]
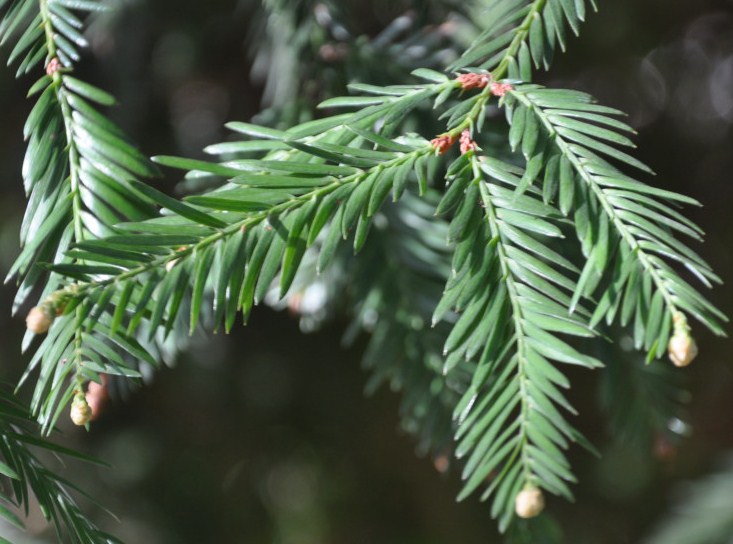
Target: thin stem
[[500, 71], [73, 152], [66, 113], [519, 38], [73, 155], [48, 28]]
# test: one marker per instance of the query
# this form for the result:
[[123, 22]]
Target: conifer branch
[[510, 294], [510, 305], [643, 403], [224, 230], [398, 279], [76, 173], [510, 48], [622, 218], [133, 286], [77, 162], [701, 512], [28, 477]]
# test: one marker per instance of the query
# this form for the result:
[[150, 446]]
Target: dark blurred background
[[264, 436]]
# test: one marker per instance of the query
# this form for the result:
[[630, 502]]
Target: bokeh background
[[265, 436]]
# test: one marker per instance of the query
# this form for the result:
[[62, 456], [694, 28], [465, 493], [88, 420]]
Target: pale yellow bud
[[39, 320], [682, 348], [529, 502], [81, 412]]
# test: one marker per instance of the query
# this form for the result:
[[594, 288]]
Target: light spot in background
[[369, 319], [292, 486], [689, 81], [292, 493], [721, 89], [626, 343], [314, 298], [677, 426], [654, 90]]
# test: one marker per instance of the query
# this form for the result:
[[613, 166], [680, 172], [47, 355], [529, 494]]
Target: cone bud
[[529, 502], [681, 348], [81, 412], [39, 319]]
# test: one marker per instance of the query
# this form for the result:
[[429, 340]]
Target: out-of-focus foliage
[[701, 513], [29, 482]]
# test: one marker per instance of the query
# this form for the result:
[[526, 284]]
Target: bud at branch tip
[[530, 502], [681, 348]]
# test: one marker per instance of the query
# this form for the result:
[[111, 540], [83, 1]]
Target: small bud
[[529, 502], [442, 143], [53, 66], [81, 413], [467, 144], [39, 319], [682, 348], [500, 89], [473, 80]]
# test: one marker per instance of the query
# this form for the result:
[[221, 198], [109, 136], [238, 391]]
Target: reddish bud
[[53, 66], [442, 463], [442, 143], [96, 396], [467, 144], [500, 89], [473, 80]]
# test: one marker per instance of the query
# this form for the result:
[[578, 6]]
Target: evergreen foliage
[[30, 479], [701, 513], [530, 240]]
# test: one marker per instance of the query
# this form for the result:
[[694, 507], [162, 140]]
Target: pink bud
[[442, 143], [500, 89], [473, 80]]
